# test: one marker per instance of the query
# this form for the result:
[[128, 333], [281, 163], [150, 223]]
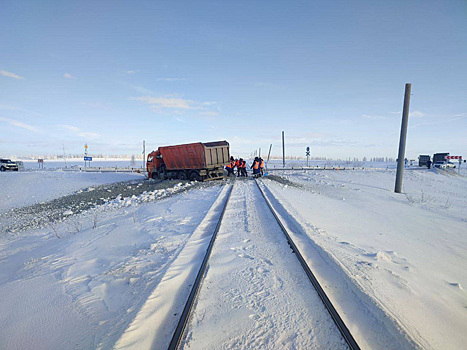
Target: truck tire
[[154, 175], [162, 173], [181, 175], [194, 176], [2, 168]]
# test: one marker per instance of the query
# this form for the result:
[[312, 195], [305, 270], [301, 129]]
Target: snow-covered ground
[[408, 252], [26, 188], [81, 291], [54, 164], [99, 285]]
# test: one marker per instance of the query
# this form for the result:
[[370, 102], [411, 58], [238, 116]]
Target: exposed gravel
[[283, 181], [42, 214]]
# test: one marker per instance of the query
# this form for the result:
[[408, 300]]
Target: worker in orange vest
[[230, 167], [261, 166], [243, 168], [238, 164], [255, 167]]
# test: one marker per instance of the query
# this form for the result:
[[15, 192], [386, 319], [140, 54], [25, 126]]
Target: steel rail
[[349, 339], [182, 323]]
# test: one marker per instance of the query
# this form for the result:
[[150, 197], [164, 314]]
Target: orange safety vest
[[237, 163], [231, 165], [255, 165], [262, 164], [243, 165]]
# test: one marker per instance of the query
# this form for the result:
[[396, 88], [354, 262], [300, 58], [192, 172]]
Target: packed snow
[[111, 277]]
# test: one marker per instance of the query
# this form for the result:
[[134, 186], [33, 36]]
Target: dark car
[[7, 164]]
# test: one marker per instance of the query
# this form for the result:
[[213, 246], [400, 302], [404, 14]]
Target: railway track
[[349, 339], [178, 334], [185, 316]]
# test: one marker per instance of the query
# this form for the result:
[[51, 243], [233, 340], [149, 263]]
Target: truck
[[193, 161], [440, 161], [423, 160], [439, 157]]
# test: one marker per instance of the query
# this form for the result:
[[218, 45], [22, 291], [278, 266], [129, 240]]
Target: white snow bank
[[83, 290], [18, 189], [156, 321], [408, 251]]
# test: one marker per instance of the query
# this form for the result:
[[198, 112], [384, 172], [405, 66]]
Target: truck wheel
[[194, 176], [181, 175], [154, 175], [2, 168], [162, 173]]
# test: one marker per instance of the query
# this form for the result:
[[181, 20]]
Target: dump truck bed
[[196, 155]]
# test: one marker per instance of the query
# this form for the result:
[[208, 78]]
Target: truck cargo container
[[439, 157], [194, 161], [423, 160]]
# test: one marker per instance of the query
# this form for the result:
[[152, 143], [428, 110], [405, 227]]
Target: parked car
[[444, 165], [20, 165], [450, 165], [7, 164]]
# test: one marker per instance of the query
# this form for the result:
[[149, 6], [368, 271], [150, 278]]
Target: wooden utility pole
[[283, 150], [403, 137]]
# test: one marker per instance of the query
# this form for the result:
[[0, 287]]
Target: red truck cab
[[154, 162]]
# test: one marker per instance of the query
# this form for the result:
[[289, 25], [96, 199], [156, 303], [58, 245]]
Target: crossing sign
[[453, 157]]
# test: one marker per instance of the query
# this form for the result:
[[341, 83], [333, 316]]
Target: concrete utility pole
[[283, 150], [64, 155], [144, 154], [259, 154], [405, 122], [269, 153]]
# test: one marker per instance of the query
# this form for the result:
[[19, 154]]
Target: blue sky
[[331, 74]]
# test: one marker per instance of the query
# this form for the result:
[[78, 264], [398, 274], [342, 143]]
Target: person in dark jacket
[[428, 164], [255, 167]]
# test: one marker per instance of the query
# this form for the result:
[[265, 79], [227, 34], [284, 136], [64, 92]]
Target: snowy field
[[118, 270], [26, 188], [54, 164], [408, 252]]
